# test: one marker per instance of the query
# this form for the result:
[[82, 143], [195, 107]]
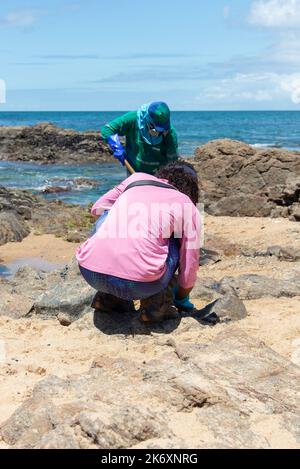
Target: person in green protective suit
[[151, 140]]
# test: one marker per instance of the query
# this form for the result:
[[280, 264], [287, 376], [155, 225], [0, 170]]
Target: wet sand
[[46, 247]]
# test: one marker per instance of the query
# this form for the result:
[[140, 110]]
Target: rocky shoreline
[[21, 212], [72, 378], [236, 179], [48, 144]]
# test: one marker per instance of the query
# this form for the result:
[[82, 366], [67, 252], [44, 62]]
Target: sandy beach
[[46, 247], [38, 348]]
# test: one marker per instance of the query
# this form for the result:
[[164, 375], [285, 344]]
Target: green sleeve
[[121, 125], [172, 146]]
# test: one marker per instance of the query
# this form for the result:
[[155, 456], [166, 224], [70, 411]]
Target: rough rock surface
[[46, 143], [68, 299], [15, 208], [21, 211], [239, 180], [248, 287], [228, 307], [283, 253], [64, 294], [61, 185], [18, 295], [56, 189], [17, 201], [12, 228], [230, 389]]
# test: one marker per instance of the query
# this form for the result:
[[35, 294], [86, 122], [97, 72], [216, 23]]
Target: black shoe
[[155, 316], [109, 304]]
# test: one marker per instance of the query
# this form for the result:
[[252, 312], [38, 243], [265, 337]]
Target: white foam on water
[[264, 145]]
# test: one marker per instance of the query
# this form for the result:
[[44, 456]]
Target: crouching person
[[148, 230]]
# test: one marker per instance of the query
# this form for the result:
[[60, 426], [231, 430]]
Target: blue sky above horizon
[[196, 55]]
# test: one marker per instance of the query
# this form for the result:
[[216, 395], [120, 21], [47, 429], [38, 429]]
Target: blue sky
[[118, 54]]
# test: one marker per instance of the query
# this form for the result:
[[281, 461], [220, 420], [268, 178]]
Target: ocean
[[275, 129]]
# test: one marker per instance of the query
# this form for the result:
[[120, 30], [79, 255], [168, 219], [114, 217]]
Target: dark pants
[[130, 289]]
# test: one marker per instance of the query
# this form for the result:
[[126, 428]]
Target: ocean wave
[[38, 188], [266, 145], [45, 188]]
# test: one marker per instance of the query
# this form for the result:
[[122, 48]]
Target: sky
[[118, 54]]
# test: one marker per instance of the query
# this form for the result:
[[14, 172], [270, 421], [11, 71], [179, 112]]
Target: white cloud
[[2, 92], [291, 84], [255, 88], [20, 18], [275, 13], [284, 17], [242, 87]]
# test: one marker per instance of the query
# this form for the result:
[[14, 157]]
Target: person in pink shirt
[[148, 228]]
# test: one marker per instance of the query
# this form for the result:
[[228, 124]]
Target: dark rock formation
[[56, 189], [46, 143], [62, 185], [15, 208], [282, 253], [18, 295], [68, 299], [238, 180], [12, 228], [21, 211], [65, 295], [85, 182], [19, 202], [228, 307], [228, 385], [248, 287]]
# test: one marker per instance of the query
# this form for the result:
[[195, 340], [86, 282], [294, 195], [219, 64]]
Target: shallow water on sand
[[8, 271]]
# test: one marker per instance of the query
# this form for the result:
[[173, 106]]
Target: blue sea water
[[36, 178], [279, 129], [272, 128]]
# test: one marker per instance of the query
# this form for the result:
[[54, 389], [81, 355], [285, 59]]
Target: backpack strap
[[149, 182]]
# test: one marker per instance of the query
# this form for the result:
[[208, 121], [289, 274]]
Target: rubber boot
[[159, 307]]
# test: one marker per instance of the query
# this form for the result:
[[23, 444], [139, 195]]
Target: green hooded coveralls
[[143, 157]]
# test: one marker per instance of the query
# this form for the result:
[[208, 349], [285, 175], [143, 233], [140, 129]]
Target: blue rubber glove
[[117, 148], [183, 304]]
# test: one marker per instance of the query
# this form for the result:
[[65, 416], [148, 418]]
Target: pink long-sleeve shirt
[[133, 241]]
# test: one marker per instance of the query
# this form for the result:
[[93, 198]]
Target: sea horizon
[[275, 129], [172, 111]]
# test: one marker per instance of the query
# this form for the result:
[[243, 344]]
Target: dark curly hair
[[183, 176]]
